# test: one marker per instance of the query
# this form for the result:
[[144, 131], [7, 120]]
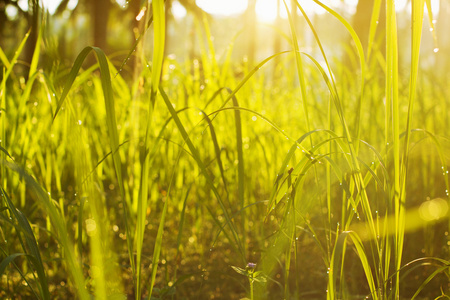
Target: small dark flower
[[251, 266]]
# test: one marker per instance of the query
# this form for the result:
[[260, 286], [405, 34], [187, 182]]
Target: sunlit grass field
[[213, 178]]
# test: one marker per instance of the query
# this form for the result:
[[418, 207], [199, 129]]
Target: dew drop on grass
[[436, 50]]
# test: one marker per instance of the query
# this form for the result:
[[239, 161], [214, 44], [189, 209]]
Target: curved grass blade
[[10, 259], [202, 167], [31, 242], [241, 174], [216, 150], [157, 63], [7, 260], [16, 56], [6, 152], [338, 254], [4, 59], [110, 120], [43, 198], [300, 72], [360, 53]]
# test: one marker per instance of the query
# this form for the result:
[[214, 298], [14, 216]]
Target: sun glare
[[224, 8], [266, 10]]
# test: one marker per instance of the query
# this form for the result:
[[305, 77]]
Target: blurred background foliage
[[113, 26]]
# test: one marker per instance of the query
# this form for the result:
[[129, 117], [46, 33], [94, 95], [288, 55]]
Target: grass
[[179, 184]]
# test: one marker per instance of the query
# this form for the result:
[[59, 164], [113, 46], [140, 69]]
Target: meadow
[[309, 178]]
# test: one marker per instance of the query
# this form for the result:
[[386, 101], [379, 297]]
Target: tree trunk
[[99, 19], [251, 31], [361, 25], [33, 23], [442, 25], [277, 41]]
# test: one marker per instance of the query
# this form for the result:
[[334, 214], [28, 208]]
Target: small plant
[[252, 276]]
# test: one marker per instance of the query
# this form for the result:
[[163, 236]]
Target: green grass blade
[[338, 255], [4, 59], [158, 247], [110, 120], [202, 167], [362, 63], [16, 56], [43, 198], [31, 242], [241, 173], [37, 52], [300, 72], [157, 63], [7, 260], [373, 26], [159, 33]]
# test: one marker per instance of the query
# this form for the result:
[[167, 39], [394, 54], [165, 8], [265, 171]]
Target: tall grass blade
[[43, 199], [15, 57], [202, 167], [31, 242], [110, 120], [338, 253], [157, 63], [300, 72]]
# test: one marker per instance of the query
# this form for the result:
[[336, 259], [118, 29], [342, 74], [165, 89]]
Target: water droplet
[[436, 50], [431, 29]]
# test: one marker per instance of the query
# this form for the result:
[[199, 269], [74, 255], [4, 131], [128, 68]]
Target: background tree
[[250, 20]]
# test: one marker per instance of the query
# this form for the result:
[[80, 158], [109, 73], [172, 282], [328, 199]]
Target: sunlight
[[266, 10], [51, 5], [224, 8]]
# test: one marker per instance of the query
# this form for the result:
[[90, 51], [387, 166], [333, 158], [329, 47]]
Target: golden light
[[266, 10]]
